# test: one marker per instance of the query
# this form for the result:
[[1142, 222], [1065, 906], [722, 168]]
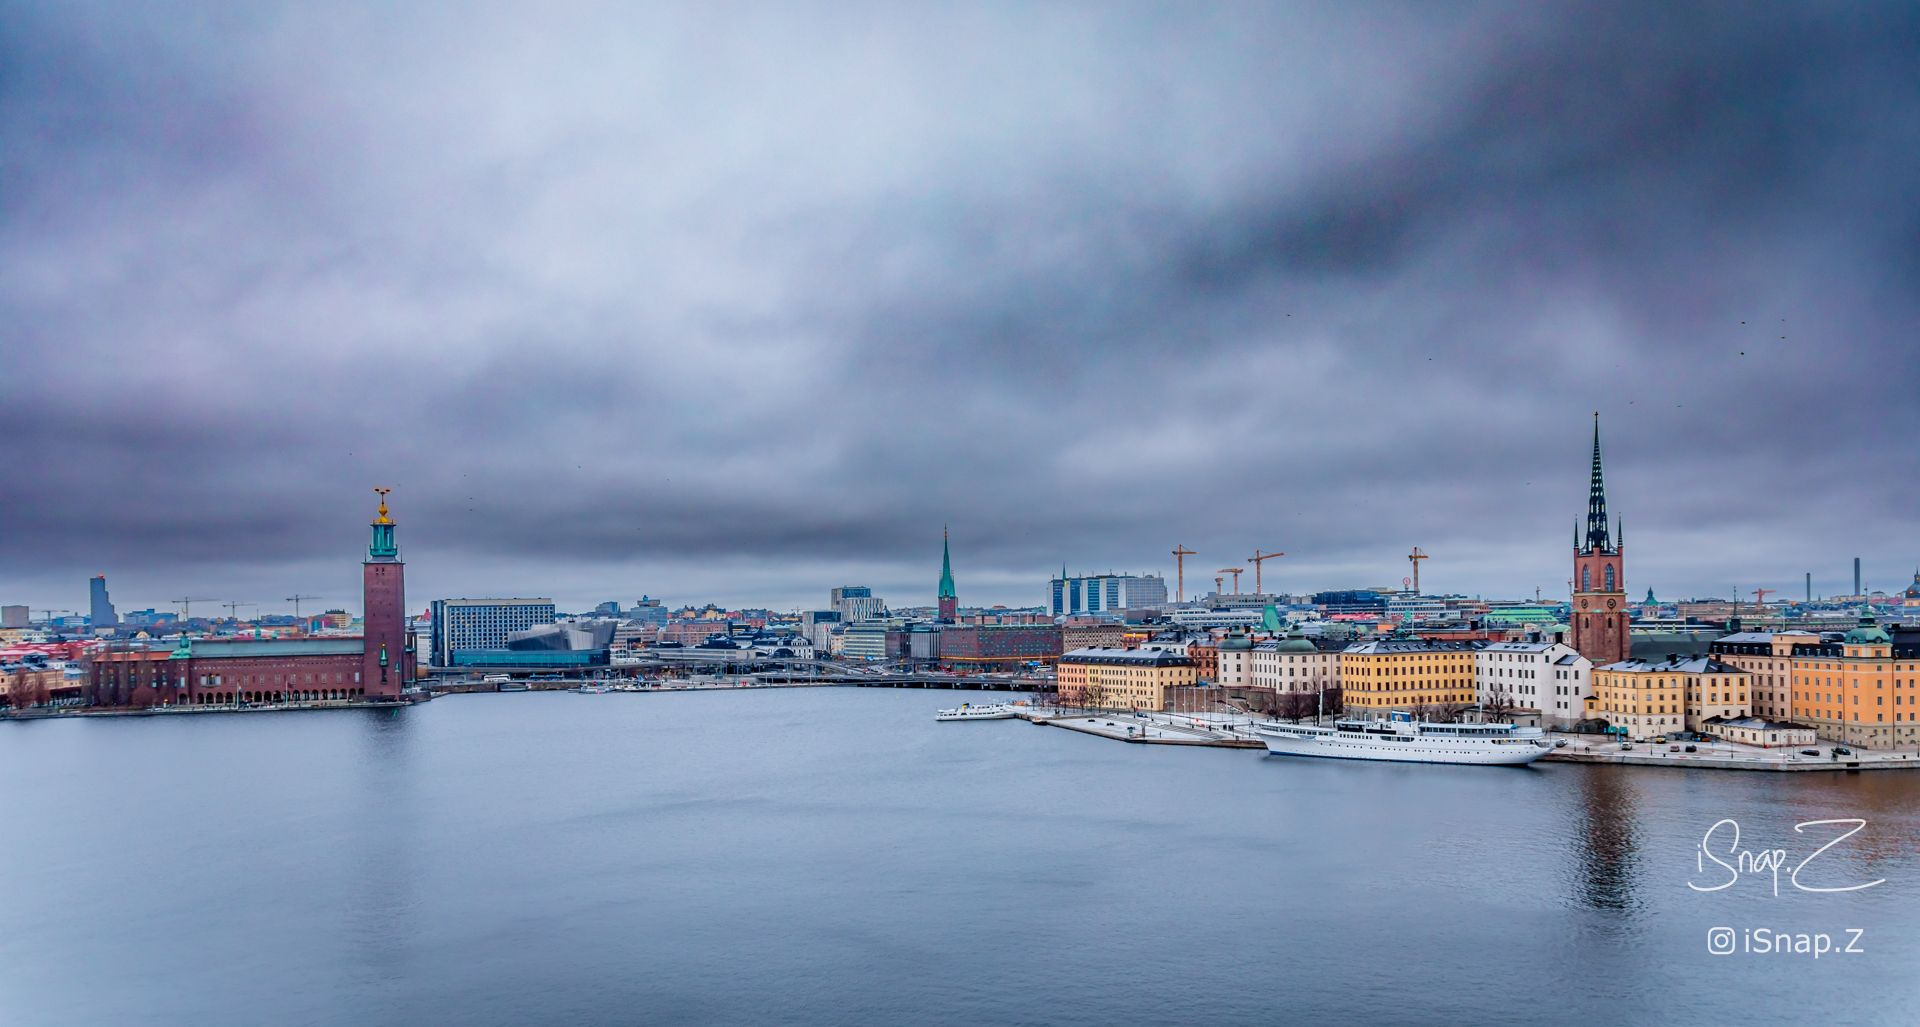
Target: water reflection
[[1609, 857]]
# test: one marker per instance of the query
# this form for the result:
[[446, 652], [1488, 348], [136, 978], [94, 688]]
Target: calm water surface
[[833, 856]]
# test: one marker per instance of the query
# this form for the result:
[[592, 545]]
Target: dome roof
[[1913, 590], [1868, 632], [1295, 642]]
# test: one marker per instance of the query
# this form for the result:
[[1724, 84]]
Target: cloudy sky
[[739, 302]]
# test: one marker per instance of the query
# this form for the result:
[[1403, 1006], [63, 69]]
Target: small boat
[[968, 711], [594, 689]]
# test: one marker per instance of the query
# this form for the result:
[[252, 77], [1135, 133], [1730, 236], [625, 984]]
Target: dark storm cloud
[[743, 306]]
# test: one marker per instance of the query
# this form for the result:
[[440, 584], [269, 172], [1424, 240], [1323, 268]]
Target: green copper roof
[[1868, 632], [1270, 618], [946, 568]]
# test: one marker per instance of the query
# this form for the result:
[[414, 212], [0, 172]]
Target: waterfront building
[[1104, 593], [1291, 664], [948, 600], [377, 666], [1767, 734], [867, 640], [998, 645], [1407, 674], [480, 625], [1600, 616], [1860, 690], [856, 603], [1122, 679], [1768, 656], [1548, 677], [100, 613], [1648, 698]]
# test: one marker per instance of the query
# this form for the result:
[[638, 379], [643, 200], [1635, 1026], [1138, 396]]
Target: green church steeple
[[946, 567]]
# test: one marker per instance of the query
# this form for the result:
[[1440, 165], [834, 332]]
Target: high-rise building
[[856, 603], [1600, 614], [949, 601], [1100, 593], [475, 625], [101, 613], [14, 616]]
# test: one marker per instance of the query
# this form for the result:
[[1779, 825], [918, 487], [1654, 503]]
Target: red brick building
[[1007, 645], [376, 667]]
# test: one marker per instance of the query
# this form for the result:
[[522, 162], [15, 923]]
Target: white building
[[1100, 593], [468, 625], [856, 603], [1550, 677], [867, 640], [1201, 618], [1291, 664]]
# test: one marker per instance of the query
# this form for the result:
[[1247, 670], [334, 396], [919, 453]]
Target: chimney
[[1856, 577]]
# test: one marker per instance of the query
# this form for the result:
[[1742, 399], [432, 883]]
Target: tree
[[1296, 705], [1331, 701], [1498, 703], [1450, 712]]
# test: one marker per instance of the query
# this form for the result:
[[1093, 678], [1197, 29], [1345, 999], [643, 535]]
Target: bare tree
[[1450, 712], [1331, 701], [1295, 705], [1498, 703]]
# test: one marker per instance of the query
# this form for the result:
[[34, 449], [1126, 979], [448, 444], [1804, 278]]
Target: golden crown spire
[[381, 517]]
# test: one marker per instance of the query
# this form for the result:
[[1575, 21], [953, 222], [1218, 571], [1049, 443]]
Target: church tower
[[1599, 577], [384, 662], [949, 603]]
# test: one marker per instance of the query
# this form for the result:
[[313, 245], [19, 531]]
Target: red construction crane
[[1414, 558], [1180, 554], [1236, 572], [1760, 595], [1259, 561]]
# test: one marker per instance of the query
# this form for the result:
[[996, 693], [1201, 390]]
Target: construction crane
[[296, 600], [233, 609], [48, 619], [1259, 561], [1217, 579], [1236, 572], [1760, 595], [186, 605], [1414, 558], [1180, 554]]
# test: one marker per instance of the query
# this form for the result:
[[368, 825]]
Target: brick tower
[[949, 603], [384, 664], [1599, 577]]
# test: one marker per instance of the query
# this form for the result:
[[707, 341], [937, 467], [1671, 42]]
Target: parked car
[[1841, 750], [1809, 752], [1692, 748], [1624, 746], [1673, 748], [1660, 740]]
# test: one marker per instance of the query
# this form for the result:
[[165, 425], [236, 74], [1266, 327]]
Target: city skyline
[[744, 323]]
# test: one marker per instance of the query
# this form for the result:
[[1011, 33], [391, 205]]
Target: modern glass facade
[[473, 625]]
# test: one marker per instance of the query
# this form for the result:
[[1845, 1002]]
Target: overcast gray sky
[[739, 302]]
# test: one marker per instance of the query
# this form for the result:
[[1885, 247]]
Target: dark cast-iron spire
[[1598, 537]]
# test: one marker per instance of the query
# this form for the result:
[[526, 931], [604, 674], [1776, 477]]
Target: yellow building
[[1409, 674], [1768, 657], [1109, 678], [1649, 699], [1861, 689]]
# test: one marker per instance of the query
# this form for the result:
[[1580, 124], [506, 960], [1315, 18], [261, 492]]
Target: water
[[833, 856]]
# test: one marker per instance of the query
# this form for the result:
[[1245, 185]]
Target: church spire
[[1598, 537], [946, 567]]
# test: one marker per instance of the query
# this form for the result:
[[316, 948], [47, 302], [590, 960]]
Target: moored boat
[[968, 711], [1401, 739]]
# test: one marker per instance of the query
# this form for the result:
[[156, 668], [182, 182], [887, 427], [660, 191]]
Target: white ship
[[968, 711], [1403, 739]]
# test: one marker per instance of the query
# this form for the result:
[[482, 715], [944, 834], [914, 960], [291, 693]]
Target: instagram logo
[[1720, 941]]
